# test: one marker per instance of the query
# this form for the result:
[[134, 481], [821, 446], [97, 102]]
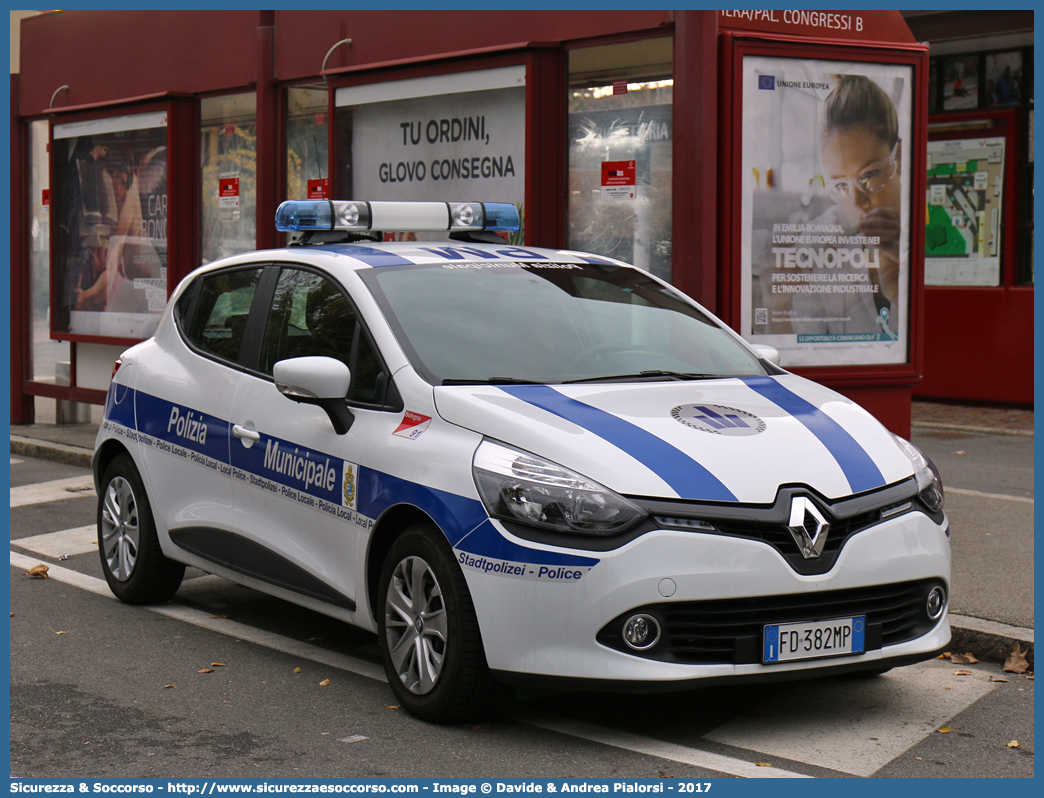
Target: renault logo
[[808, 526]]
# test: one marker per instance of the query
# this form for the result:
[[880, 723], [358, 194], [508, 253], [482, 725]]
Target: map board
[[963, 228]]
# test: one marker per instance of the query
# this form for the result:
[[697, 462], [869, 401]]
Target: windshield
[[550, 323]]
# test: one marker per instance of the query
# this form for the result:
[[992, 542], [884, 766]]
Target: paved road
[[102, 689]]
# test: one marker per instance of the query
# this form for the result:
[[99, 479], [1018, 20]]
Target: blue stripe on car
[[372, 257], [687, 478], [463, 520], [860, 470]]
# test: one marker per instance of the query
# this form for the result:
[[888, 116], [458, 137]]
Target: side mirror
[[321, 381], [766, 352]]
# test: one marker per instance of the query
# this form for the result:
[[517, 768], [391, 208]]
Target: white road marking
[[80, 540], [16, 461], [658, 748], [850, 725], [979, 494], [71, 488]]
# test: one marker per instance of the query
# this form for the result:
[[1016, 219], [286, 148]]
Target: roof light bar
[[298, 215]]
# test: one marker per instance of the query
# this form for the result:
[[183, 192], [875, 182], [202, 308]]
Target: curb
[[48, 450], [941, 425], [989, 640]]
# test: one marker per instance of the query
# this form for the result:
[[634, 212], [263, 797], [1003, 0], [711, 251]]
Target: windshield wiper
[[491, 381], [674, 375]]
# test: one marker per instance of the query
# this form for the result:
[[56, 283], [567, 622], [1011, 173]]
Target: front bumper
[[551, 628]]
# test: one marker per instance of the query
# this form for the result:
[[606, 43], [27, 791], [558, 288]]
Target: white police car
[[512, 464]]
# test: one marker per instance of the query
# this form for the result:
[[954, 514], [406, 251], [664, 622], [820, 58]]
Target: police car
[[513, 465]]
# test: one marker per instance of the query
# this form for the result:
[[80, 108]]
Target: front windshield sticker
[[718, 420]]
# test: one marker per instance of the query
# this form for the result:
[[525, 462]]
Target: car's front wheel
[[429, 633], [133, 563]]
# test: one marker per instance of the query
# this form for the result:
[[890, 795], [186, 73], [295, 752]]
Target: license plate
[[785, 642]]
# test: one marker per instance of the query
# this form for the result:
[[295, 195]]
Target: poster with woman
[[825, 221], [110, 206]]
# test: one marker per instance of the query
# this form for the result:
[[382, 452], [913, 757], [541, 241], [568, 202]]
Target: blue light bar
[[501, 216], [306, 215]]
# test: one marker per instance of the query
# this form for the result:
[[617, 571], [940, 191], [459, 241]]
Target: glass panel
[[578, 322], [221, 313], [110, 204], [307, 144], [309, 316], [45, 352], [620, 101], [1004, 78], [228, 169], [960, 82]]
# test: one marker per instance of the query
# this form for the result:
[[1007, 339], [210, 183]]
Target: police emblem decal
[[719, 420], [349, 484]]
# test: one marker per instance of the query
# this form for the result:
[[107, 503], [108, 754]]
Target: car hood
[[730, 440]]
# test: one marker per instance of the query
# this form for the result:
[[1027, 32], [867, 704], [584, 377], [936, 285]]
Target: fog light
[[936, 602], [641, 632]]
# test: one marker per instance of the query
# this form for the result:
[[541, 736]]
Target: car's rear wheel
[[131, 558], [429, 632]]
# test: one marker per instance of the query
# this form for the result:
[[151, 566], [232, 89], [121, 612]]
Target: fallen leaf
[[12, 614], [919, 759], [58, 633], [764, 764], [217, 664], [324, 682], [1016, 661], [37, 572], [355, 738], [169, 686], [392, 706], [205, 670], [219, 616], [995, 678], [1013, 744], [963, 659], [944, 730], [959, 451], [944, 655], [963, 673]]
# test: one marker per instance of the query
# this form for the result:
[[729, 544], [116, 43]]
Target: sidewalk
[[74, 443]]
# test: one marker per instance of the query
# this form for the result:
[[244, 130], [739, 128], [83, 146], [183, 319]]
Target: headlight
[[519, 486], [929, 483]]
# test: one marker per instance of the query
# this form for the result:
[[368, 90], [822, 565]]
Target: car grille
[[778, 536], [730, 630], [769, 524]]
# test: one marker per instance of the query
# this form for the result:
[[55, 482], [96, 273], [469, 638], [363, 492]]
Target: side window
[[220, 318], [310, 316]]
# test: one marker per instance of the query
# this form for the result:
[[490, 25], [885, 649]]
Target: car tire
[[429, 632], [133, 562]]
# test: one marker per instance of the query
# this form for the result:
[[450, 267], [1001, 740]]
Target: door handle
[[246, 434]]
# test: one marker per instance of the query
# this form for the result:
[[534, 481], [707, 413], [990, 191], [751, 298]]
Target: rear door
[[183, 404]]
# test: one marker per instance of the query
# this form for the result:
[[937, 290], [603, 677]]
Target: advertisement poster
[[825, 222], [466, 145], [110, 206], [963, 228]]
